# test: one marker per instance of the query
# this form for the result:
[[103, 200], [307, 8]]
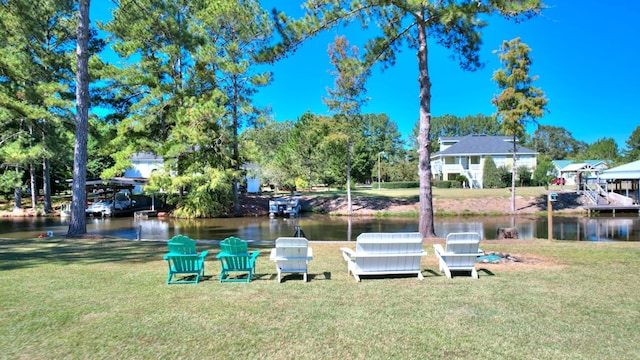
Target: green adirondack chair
[[183, 259], [181, 244], [183, 264], [235, 258]]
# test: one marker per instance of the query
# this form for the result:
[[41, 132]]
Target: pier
[[613, 209]]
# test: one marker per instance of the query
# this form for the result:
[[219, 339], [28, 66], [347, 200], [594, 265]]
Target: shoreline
[[255, 205]]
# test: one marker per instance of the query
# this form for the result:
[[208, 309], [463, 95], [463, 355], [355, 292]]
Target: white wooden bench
[[385, 254], [460, 253], [291, 255]]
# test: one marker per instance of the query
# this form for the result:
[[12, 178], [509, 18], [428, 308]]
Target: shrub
[[490, 174], [400, 185]]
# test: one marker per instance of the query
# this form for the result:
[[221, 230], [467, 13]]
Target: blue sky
[[585, 53]]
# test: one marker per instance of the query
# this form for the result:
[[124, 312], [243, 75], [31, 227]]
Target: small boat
[[281, 206]]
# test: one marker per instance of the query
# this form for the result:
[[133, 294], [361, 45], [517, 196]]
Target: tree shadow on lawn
[[25, 253]]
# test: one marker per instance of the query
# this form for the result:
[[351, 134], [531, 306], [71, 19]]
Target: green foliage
[[633, 146], [461, 179], [400, 185], [490, 175], [302, 184], [524, 176], [443, 184], [9, 180], [554, 142], [603, 149], [505, 175], [544, 172], [206, 194]]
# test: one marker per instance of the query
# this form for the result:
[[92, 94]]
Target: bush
[[400, 185], [443, 184], [505, 176], [490, 174]]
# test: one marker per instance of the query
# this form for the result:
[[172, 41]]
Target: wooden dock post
[[550, 217]]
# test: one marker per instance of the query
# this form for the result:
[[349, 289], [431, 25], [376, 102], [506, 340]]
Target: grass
[[102, 299], [533, 191]]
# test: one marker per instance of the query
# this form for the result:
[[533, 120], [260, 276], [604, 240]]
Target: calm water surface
[[323, 227]]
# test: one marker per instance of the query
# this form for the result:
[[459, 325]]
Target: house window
[[449, 160], [475, 160]]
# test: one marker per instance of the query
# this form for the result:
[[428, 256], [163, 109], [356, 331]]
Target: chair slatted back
[[462, 243], [233, 245], [389, 243], [295, 250], [181, 244]]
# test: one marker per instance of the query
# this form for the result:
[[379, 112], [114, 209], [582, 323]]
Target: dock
[[613, 209], [145, 214]]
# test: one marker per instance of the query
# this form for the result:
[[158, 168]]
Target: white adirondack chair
[[385, 254], [291, 255], [460, 253]]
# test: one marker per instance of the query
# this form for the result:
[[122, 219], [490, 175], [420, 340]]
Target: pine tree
[[346, 98], [519, 102], [454, 24]]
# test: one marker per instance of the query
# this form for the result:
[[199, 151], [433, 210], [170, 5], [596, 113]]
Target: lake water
[[329, 228]]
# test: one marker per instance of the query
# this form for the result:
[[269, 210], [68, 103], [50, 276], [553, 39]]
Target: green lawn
[[106, 299], [531, 191]]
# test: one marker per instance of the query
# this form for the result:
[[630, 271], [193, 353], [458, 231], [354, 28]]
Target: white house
[[143, 164], [569, 169], [466, 155]]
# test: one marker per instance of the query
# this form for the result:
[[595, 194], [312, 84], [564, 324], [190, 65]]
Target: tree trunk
[[17, 193], [34, 187], [46, 186], [425, 227], [78, 222], [46, 176], [349, 205], [513, 178], [236, 150], [32, 176]]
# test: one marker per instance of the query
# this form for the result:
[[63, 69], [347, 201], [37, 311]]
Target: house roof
[[562, 164], [577, 167], [481, 145], [140, 156], [626, 171]]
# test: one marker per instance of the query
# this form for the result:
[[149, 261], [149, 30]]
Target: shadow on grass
[[25, 253], [566, 200]]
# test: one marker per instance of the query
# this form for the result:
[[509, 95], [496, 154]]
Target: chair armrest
[[347, 253], [204, 254], [437, 248], [309, 253], [254, 254]]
